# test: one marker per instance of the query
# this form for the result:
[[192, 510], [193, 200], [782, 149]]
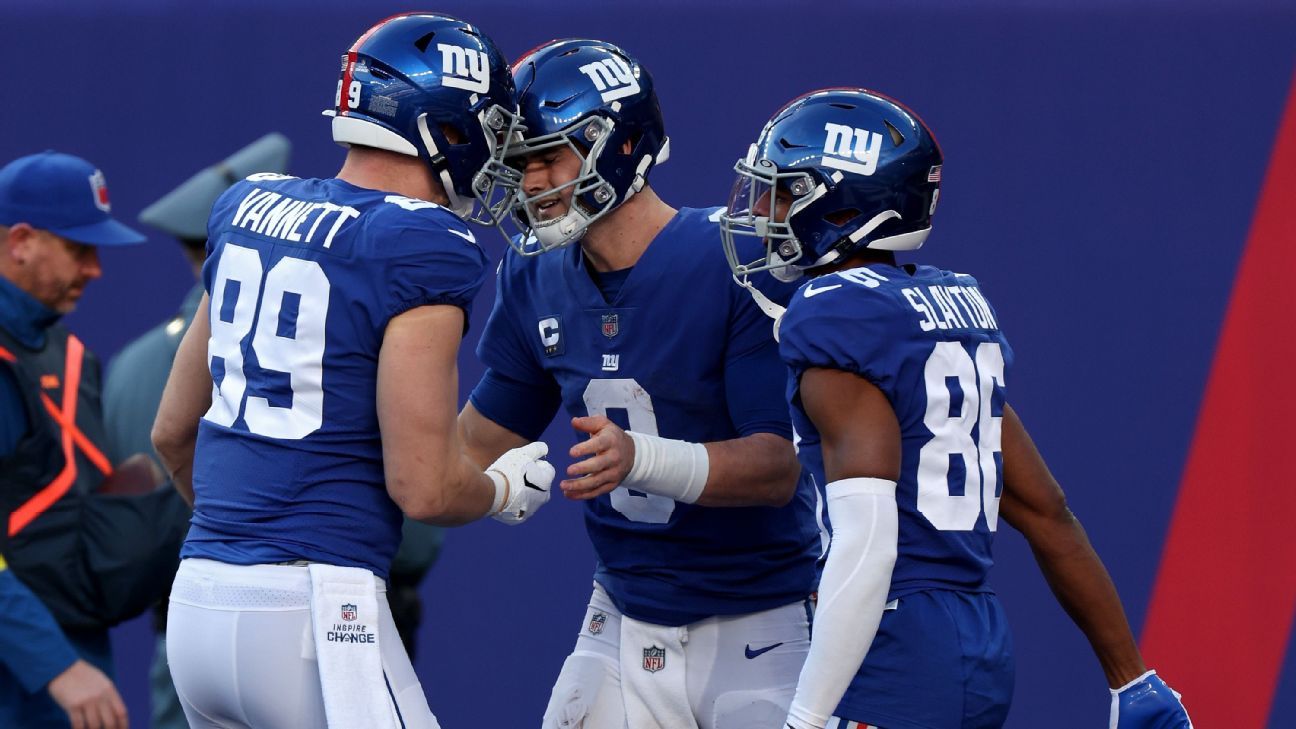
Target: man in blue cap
[[54, 655]]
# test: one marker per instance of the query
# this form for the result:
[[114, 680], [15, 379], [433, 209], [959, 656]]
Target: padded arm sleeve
[[852, 595]]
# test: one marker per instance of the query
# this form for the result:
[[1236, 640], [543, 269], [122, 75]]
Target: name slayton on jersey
[[945, 307], [464, 68], [851, 149], [612, 77]]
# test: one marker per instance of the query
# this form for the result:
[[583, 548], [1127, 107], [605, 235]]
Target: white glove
[[522, 479]]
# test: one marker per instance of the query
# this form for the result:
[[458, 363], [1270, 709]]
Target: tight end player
[[314, 395]]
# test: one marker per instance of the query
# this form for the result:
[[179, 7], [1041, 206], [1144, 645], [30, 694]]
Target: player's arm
[[760, 469], [756, 470], [484, 440], [39, 656], [428, 473], [862, 455], [861, 452], [185, 399], [1034, 504]]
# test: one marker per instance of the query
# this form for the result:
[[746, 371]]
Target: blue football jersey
[[304, 276], [681, 352], [930, 341]]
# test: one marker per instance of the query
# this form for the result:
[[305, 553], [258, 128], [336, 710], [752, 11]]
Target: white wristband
[[501, 491], [676, 469]]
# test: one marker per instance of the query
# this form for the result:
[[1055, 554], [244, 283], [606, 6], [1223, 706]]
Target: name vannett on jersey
[[347, 633], [950, 307], [269, 213]]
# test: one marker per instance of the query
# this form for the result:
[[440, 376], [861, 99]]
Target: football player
[[897, 388], [706, 544], [312, 400]]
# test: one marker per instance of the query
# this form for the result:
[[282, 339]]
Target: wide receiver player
[[698, 616], [323, 357], [897, 389]]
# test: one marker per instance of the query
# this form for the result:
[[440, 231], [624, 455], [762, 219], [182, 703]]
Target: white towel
[[654, 676], [344, 611]]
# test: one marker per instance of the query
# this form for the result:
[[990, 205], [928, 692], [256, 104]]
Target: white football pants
[[734, 672], [242, 652]]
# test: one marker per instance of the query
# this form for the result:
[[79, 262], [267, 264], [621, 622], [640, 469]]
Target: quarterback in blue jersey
[[897, 379], [698, 616], [313, 399]]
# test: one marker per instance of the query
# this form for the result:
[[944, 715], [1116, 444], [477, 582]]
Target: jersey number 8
[[626, 394], [297, 350]]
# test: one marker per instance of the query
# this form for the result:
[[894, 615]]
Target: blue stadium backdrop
[[1119, 176]]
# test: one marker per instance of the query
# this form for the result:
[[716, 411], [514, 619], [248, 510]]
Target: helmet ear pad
[[838, 221], [623, 162]]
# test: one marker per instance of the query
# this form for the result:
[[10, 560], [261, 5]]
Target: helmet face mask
[[857, 171], [595, 100], [412, 78], [592, 197], [762, 205], [494, 183]]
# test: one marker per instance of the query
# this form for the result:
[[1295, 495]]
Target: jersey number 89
[[298, 352]]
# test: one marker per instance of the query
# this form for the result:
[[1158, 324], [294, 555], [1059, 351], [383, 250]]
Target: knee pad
[[584, 679], [745, 709]]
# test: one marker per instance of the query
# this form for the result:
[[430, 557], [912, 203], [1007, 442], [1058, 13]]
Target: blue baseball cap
[[62, 194], [183, 212]]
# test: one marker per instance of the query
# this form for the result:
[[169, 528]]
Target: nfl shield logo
[[348, 612], [597, 621], [654, 659], [610, 325]]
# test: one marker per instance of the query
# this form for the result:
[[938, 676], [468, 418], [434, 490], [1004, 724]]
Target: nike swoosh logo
[[759, 651], [466, 236], [812, 291]]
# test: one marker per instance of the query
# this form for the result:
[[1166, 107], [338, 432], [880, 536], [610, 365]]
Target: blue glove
[[1147, 703]]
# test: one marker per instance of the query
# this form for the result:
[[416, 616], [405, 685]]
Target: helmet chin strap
[[767, 307], [790, 273], [559, 232], [458, 205]]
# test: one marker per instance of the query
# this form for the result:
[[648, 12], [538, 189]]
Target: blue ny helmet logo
[[612, 77], [464, 68]]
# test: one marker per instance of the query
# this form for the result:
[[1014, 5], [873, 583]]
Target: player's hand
[[1147, 703], [526, 478], [602, 462], [89, 698]]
